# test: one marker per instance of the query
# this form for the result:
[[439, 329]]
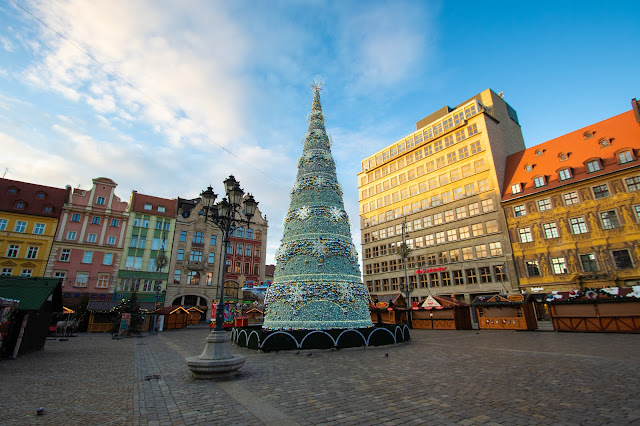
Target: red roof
[[600, 141], [35, 199], [138, 201]]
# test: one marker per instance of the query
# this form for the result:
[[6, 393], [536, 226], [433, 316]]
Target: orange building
[[573, 208]]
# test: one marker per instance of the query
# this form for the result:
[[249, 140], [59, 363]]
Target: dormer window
[[161, 209], [540, 152], [100, 201], [539, 181], [40, 195], [19, 205], [48, 209], [604, 142], [593, 166], [625, 157], [516, 188], [563, 156], [564, 174], [528, 167], [587, 135], [148, 206], [13, 190]]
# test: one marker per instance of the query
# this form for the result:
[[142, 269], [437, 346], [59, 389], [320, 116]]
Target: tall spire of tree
[[317, 282]]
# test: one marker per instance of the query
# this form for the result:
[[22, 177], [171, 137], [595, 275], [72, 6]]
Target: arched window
[[240, 232], [249, 234], [198, 238], [194, 277]]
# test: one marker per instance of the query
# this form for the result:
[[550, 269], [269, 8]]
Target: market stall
[[611, 309], [505, 312], [392, 312], [441, 313]]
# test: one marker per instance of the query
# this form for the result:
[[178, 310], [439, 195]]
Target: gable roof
[[32, 292], [12, 191], [138, 202], [621, 132]]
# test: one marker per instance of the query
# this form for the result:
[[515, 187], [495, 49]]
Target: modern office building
[[194, 269], [573, 208], [29, 216], [439, 190], [88, 245], [149, 236]]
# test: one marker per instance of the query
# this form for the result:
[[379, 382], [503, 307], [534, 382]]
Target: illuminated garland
[[303, 213], [316, 183], [319, 248]]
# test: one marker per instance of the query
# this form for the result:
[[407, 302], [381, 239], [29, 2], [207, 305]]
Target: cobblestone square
[[440, 377]]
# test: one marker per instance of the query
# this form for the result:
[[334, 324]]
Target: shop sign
[[515, 298]]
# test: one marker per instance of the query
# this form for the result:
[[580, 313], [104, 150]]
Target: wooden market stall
[[510, 312], [195, 315], [175, 317], [441, 313], [255, 315], [393, 312], [103, 314], [611, 310]]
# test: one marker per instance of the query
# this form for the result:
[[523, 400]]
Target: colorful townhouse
[[573, 208], [149, 237], [29, 216], [88, 246]]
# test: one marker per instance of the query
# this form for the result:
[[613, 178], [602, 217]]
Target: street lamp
[[161, 262], [216, 362], [404, 253]]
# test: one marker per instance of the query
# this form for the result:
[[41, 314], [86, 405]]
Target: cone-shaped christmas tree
[[317, 283]]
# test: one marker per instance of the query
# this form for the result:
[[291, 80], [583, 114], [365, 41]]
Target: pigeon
[[386, 354], [309, 354], [40, 411]]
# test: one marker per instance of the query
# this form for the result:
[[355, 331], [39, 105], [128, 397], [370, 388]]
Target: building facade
[[149, 237], [573, 208], [438, 189], [29, 217], [88, 244], [195, 258]]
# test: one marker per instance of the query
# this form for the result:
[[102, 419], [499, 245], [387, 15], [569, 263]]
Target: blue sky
[[178, 83]]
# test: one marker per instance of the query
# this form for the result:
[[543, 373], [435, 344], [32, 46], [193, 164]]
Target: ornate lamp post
[[216, 362], [161, 262], [404, 253]]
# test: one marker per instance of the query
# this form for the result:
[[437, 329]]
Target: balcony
[[195, 265]]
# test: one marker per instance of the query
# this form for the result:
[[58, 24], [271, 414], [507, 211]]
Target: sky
[[168, 97]]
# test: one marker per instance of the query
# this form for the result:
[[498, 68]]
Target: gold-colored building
[[573, 208], [29, 216], [438, 189]]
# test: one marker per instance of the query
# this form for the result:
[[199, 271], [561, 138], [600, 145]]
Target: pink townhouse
[[87, 248]]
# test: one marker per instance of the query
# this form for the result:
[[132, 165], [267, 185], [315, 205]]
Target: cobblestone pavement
[[440, 377]]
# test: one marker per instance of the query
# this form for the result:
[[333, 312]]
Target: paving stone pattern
[[441, 377]]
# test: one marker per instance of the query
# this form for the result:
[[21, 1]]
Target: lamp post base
[[215, 362]]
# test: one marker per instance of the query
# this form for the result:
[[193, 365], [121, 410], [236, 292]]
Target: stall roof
[[32, 292], [502, 300], [168, 310], [445, 301], [600, 295], [108, 305]]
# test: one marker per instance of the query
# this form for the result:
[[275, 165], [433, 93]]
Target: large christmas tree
[[317, 283]]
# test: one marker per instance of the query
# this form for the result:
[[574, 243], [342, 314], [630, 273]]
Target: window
[[442, 257], [477, 230], [198, 238], [622, 259], [467, 253], [495, 248], [516, 188], [481, 250], [544, 205], [588, 262], [463, 153], [75, 217], [209, 278], [183, 236], [463, 232], [65, 254], [525, 235], [466, 170], [3, 224], [92, 238], [145, 223], [32, 252], [571, 198], [159, 224], [111, 240], [95, 220], [485, 275], [610, 220], [100, 201], [108, 259], [429, 240], [578, 226], [177, 276], [519, 210], [550, 230], [148, 206], [559, 265], [593, 166], [19, 205], [625, 157], [469, 189], [440, 237], [472, 130], [487, 205], [492, 226], [196, 256], [142, 241], [212, 258], [247, 249], [452, 235], [20, 226], [212, 240], [633, 183], [103, 281], [26, 272], [457, 278], [6, 271], [472, 278], [193, 278], [474, 209], [38, 229], [533, 270], [454, 255], [452, 157], [500, 273], [539, 181], [600, 191], [87, 257], [240, 232], [82, 278], [461, 212], [564, 174], [239, 249], [161, 209]]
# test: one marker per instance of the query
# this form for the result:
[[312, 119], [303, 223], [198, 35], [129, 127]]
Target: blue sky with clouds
[[168, 97]]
